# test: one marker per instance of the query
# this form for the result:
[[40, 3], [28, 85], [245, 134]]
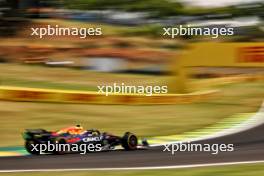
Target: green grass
[[237, 170], [46, 84], [64, 78]]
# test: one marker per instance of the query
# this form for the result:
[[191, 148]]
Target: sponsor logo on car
[[91, 139]]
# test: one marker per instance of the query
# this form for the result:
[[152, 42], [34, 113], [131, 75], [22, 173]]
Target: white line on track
[[135, 168]]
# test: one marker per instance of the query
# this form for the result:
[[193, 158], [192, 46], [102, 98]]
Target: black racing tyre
[[30, 149], [129, 141]]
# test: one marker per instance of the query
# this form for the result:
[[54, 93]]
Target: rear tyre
[[30, 149], [59, 141], [129, 141]]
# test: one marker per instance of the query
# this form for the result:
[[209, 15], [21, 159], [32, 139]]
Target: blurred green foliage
[[162, 8], [157, 7]]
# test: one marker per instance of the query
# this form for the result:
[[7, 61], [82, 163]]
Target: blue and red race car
[[76, 136]]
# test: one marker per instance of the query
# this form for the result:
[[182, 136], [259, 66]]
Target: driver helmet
[[78, 129]]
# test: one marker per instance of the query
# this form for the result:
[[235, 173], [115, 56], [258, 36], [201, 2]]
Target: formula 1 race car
[[75, 135]]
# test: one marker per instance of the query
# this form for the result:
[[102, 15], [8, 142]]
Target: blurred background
[[127, 25], [131, 50]]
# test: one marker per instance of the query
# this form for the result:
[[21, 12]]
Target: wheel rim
[[133, 142]]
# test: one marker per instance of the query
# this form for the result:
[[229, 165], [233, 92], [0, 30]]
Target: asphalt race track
[[249, 146]]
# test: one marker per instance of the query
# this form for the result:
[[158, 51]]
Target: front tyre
[[129, 141]]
